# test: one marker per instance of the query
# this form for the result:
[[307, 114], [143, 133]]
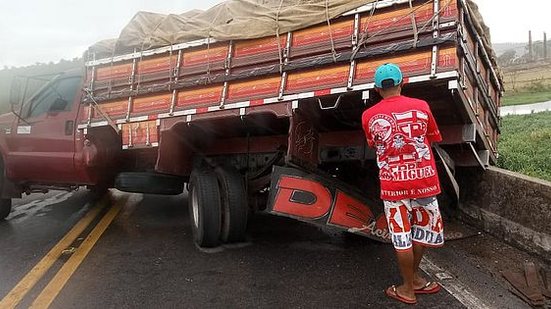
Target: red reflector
[[322, 92]]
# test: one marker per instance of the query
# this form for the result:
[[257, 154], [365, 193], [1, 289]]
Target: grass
[[516, 98], [525, 145]]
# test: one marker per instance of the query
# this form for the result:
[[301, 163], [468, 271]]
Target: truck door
[[41, 145]]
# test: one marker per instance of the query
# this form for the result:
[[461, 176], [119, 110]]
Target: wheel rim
[[195, 207]]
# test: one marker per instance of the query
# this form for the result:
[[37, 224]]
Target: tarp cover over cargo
[[238, 19]]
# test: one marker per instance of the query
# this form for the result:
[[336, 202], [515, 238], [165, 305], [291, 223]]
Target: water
[[526, 109]]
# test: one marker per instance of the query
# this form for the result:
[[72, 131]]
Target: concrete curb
[[510, 206]]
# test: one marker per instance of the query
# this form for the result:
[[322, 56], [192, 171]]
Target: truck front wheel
[[5, 208], [204, 208], [234, 204]]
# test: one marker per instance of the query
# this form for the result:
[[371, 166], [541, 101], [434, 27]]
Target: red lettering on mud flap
[[357, 217], [302, 198], [349, 212]]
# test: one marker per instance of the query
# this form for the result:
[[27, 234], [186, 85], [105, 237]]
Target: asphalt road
[[138, 252]]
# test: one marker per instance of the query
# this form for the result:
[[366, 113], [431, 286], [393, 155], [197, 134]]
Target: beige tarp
[[235, 19]]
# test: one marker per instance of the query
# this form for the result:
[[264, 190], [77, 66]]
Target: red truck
[[258, 124]]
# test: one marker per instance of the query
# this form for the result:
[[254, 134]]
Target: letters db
[[309, 198]]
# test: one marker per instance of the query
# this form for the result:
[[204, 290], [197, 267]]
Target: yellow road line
[[37, 272], [53, 288]]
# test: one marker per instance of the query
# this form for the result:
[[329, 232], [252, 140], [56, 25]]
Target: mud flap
[[323, 201]]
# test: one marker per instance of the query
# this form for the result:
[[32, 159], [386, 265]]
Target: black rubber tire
[[204, 208], [152, 183], [97, 191], [5, 208], [234, 205]]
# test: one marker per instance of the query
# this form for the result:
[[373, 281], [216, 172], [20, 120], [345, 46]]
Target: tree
[[507, 57]]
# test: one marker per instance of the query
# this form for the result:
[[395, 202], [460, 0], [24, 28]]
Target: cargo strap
[[279, 49], [414, 25], [333, 52]]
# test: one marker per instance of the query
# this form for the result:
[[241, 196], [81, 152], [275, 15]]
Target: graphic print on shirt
[[402, 150]]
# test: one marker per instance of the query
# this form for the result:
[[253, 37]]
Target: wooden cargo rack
[[434, 42]]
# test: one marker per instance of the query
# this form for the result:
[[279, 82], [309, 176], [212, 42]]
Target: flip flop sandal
[[393, 293], [426, 289]]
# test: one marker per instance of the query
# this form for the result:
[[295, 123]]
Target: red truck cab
[[40, 145]]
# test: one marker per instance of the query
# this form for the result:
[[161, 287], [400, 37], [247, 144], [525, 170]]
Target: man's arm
[[367, 131]]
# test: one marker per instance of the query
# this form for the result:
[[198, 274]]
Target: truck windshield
[[59, 96]]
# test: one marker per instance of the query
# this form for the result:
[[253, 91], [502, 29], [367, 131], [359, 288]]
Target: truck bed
[[327, 69]]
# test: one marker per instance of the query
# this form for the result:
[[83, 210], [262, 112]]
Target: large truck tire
[[151, 183], [204, 208], [5, 208], [234, 205]]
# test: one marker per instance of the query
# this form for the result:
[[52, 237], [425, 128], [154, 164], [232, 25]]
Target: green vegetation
[[527, 83], [516, 98], [525, 145]]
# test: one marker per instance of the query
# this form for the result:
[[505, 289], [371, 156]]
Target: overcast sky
[[49, 30]]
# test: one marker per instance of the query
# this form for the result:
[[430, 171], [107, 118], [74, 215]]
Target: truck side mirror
[[59, 105]]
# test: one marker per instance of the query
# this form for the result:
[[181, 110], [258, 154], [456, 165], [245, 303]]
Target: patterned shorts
[[414, 221]]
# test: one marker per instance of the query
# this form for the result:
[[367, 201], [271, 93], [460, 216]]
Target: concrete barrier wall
[[509, 205]]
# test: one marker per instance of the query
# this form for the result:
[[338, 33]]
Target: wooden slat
[[140, 134], [322, 78], [212, 54], [115, 109], [411, 64], [265, 87], [248, 48], [113, 72], [390, 20], [151, 104], [203, 96], [321, 34], [159, 64]]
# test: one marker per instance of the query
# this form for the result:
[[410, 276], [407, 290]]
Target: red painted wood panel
[[243, 91], [152, 104], [318, 79], [321, 34], [199, 97]]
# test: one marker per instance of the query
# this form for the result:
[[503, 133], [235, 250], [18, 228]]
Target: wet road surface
[[146, 258]]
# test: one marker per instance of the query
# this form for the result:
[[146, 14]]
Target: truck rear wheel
[[204, 208], [234, 205], [5, 208]]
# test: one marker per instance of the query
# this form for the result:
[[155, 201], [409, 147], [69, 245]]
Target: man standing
[[401, 129]]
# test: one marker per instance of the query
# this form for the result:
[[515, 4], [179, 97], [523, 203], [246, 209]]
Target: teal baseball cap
[[388, 75]]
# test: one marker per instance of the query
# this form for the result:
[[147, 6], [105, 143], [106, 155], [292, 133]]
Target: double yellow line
[[50, 292]]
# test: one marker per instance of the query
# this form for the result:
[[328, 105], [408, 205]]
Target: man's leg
[[418, 252], [406, 263], [399, 225], [425, 214]]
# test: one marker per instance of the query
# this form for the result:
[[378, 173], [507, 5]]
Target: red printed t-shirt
[[401, 130]]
